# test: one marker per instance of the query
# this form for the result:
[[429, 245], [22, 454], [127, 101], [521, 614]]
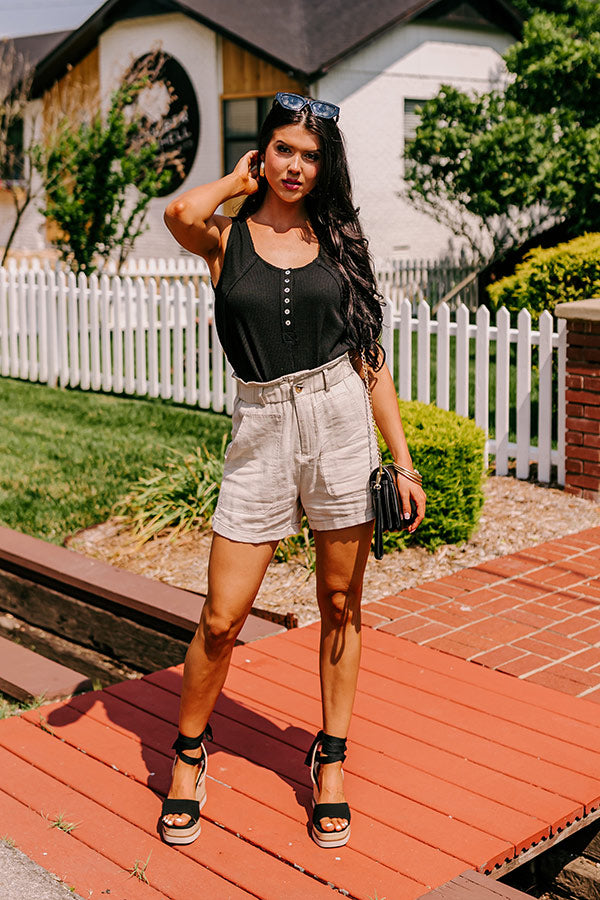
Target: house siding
[[370, 85], [409, 61]]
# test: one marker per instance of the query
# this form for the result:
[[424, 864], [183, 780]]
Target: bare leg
[[341, 560], [235, 573]]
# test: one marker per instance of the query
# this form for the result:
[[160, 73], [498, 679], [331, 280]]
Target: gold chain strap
[[368, 390]]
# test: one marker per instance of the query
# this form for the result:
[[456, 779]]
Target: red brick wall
[[583, 409]]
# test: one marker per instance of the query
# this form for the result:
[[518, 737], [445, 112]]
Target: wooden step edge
[[27, 676], [90, 579]]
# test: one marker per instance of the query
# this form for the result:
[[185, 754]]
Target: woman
[[295, 303]]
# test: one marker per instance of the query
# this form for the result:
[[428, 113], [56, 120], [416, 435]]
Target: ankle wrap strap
[[333, 749], [183, 742]]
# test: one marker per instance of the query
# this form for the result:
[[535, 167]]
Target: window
[[241, 123], [12, 160], [411, 121]]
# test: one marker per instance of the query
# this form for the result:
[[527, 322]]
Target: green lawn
[[66, 455]]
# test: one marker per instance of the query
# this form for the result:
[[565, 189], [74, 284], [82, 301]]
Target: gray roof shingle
[[304, 37]]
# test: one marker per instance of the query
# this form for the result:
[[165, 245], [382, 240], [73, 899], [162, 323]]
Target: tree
[[528, 8], [15, 171], [100, 174], [502, 166]]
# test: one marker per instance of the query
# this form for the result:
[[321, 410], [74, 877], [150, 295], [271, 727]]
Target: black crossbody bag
[[389, 514]]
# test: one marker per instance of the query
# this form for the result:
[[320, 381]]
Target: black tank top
[[273, 321]]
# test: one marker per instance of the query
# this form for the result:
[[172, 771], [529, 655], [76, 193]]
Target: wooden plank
[[99, 584], [387, 845], [109, 835], [437, 793], [259, 808], [414, 673], [502, 389], [25, 675], [246, 74], [480, 710], [284, 762], [415, 817], [535, 694], [474, 886], [524, 765], [75, 864], [218, 850], [523, 392], [435, 760]]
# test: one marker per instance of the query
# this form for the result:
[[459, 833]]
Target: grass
[[66, 456], [10, 707], [8, 841], [60, 822], [138, 869]]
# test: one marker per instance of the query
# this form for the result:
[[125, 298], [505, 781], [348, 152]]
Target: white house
[[228, 58]]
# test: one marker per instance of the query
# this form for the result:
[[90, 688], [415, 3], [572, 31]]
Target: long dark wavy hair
[[334, 219]]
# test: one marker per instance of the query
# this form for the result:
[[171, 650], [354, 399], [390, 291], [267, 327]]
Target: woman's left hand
[[406, 490]]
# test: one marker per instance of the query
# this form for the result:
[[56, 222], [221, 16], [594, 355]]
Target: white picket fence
[[413, 279], [453, 345], [142, 337]]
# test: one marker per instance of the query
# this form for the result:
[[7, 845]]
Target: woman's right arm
[[191, 218]]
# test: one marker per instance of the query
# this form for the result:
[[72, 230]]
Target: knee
[[338, 607], [217, 630]]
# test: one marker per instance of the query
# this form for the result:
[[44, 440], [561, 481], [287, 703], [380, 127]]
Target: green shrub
[[446, 448], [448, 451], [561, 274]]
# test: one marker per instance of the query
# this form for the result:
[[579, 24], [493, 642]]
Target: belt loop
[[261, 396], [326, 379]]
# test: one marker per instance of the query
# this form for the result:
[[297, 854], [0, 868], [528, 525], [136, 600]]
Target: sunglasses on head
[[317, 107]]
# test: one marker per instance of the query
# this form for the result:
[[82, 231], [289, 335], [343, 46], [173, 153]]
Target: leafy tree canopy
[[502, 166], [99, 177]]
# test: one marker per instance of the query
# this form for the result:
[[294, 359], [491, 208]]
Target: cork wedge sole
[[327, 749], [185, 834], [330, 839]]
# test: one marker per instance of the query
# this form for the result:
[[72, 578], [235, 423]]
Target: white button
[[287, 280], [287, 322], [287, 271], [287, 312], [287, 290]]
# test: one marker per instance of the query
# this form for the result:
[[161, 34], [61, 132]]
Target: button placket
[[287, 306]]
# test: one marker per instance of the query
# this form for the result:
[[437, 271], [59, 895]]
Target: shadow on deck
[[451, 767]]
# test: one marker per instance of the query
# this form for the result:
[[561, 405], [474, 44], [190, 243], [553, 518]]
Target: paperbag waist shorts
[[303, 441]]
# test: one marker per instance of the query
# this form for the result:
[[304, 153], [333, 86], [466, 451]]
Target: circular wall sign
[[170, 108]]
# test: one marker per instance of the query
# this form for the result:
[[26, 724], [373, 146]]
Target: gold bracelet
[[411, 474], [400, 468]]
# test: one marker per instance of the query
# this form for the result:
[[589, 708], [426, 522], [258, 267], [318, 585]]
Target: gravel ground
[[23, 879], [516, 514]]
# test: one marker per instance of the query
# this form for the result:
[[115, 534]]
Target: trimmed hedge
[[561, 274], [446, 448], [448, 451]]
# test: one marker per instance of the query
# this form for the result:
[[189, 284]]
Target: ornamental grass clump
[[179, 496]]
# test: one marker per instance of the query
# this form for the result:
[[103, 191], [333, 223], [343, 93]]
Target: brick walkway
[[534, 614]]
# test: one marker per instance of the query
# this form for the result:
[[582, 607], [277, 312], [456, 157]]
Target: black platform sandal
[[332, 749], [185, 834]]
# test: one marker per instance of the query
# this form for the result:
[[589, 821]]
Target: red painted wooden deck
[[452, 766], [534, 614]]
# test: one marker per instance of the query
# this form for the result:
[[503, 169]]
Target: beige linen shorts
[[304, 441]]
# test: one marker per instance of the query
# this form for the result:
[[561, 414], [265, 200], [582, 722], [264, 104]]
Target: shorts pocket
[[250, 475], [346, 470], [346, 444]]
